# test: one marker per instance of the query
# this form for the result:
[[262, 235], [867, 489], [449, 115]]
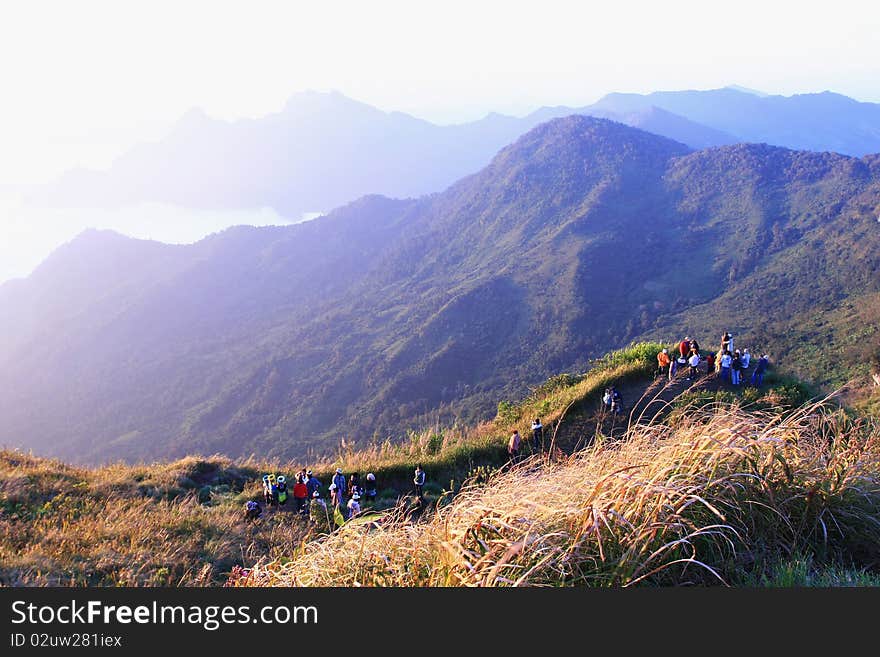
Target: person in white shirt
[[538, 434], [694, 362], [746, 359], [726, 361], [354, 506]]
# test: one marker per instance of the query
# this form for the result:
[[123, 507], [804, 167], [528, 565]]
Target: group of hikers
[[612, 400], [727, 363], [516, 444], [345, 496]]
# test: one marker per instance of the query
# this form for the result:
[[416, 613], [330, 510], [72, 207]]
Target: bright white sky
[[82, 81]]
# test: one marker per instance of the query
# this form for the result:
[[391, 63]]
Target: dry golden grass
[[715, 499], [131, 525], [715, 494]]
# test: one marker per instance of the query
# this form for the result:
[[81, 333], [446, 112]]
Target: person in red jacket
[[710, 364], [300, 496], [684, 347]]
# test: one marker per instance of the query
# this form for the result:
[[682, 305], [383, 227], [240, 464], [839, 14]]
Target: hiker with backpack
[[270, 490], [663, 361], [370, 489], [538, 435], [281, 487], [616, 400], [513, 445], [312, 484], [419, 481]]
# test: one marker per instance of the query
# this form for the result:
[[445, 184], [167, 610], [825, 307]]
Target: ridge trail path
[[643, 401]]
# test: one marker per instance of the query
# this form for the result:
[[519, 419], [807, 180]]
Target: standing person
[[300, 495], [513, 446], [538, 434], [663, 361], [684, 347], [354, 506], [312, 483], [695, 346], [694, 362], [673, 368], [710, 364], [725, 341], [746, 359], [341, 486], [270, 490], [616, 400], [726, 362], [419, 480], [606, 399], [736, 368], [370, 489], [334, 495], [281, 485], [760, 369], [354, 484]]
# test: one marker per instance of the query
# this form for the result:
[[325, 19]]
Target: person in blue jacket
[[341, 486], [760, 369], [312, 483]]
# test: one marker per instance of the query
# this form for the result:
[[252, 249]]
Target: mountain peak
[[608, 136], [311, 101], [746, 90]]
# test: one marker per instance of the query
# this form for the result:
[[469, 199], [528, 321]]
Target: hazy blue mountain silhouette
[[321, 151], [579, 237]]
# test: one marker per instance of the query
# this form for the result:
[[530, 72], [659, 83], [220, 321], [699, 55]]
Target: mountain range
[[580, 236], [324, 150]]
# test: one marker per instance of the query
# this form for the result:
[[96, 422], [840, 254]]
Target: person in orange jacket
[[663, 361]]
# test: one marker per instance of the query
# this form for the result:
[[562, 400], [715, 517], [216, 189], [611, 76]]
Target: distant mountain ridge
[[324, 150], [321, 151], [579, 237], [818, 122]]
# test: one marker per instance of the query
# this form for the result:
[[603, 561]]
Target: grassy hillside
[[180, 523], [722, 497]]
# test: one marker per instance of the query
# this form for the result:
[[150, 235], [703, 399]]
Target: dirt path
[[643, 402]]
